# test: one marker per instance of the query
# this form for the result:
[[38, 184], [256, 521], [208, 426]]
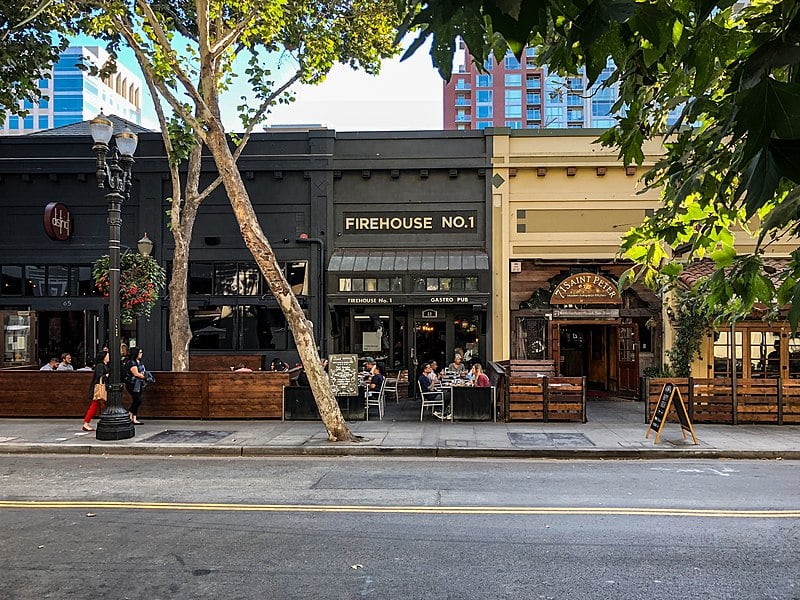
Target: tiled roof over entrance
[[357, 260], [694, 272]]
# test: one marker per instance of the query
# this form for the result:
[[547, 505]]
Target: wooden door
[[628, 363]]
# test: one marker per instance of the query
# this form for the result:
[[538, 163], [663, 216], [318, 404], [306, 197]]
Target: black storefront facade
[[408, 278], [306, 187]]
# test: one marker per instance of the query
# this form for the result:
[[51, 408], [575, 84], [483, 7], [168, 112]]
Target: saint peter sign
[[586, 288]]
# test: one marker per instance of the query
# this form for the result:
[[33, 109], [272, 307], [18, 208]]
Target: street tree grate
[[559, 440], [186, 436]]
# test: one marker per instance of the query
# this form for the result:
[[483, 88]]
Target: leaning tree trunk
[[259, 246]]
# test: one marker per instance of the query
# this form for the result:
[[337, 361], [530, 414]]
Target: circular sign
[[57, 221]]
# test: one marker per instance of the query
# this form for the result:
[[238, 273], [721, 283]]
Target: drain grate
[[187, 436], [558, 440]]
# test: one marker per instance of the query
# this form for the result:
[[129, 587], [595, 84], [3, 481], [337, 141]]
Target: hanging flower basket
[[141, 281]]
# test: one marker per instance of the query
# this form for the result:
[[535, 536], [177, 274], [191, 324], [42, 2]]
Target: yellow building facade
[[560, 204]]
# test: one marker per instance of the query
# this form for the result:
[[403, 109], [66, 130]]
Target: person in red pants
[[97, 390]]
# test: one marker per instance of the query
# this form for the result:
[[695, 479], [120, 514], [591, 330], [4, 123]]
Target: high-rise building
[[522, 95], [74, 95]]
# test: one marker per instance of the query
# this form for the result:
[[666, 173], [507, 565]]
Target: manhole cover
[[187, 436], [558, 440]]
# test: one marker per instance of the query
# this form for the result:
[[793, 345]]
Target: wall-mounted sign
[[429, 314], [57, 221], [586, 288], [381, 300], [516, 266], [371, 300], [411, 222], [586, 313]]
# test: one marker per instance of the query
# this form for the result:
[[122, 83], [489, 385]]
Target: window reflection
[[34, 280], [57, 280], [239, 328]]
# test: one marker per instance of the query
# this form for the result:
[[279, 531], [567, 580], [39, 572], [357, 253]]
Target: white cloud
[[404, 96]]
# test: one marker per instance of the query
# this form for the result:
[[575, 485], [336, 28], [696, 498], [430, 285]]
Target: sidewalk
[[615, 430]]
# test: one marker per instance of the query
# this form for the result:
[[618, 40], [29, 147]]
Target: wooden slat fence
[[757, 401], [189, 395]]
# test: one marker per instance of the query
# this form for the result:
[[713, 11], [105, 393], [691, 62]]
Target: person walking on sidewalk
[[97, 390], [135, 375]]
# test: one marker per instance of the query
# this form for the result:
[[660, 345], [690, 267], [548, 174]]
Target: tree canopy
[[730, 72]]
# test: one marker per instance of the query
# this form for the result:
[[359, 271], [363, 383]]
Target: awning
[[371, 261]]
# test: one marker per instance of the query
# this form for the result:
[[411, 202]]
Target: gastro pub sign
[[586, 288]]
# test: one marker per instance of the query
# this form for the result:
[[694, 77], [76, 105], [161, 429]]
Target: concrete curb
[[398, 451]]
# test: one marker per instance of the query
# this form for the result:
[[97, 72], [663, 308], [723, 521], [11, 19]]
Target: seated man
[[425, 382], [377, 379], [50, 366]]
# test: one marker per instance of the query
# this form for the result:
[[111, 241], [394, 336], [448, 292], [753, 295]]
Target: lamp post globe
[[113, 166]]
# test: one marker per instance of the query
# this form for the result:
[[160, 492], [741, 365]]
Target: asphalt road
[[133, 527]]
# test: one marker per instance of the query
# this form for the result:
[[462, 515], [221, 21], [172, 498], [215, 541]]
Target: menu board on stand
[[343, 373]]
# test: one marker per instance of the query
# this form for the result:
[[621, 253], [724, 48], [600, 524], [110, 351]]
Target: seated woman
[[480, 378], [458, 366]]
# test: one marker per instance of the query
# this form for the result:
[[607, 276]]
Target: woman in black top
[[135, 375], [100, 377]]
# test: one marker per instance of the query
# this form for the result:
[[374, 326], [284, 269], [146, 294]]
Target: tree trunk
[[180, 334], [259, 246]]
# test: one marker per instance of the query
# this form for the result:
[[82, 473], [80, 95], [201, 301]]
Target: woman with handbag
[[135, 381], [97, 390]]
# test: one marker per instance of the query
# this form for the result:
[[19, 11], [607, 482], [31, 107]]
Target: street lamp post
[[114, 172]]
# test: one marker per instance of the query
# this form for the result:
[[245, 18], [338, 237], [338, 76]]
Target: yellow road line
[[420, 510]]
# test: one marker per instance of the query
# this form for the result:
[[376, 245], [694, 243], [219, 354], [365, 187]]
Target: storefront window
[[722, 353], [239, 328], [345, 284], [225, 279], [57, 280], [200, 278], [263, 328], [80, 283], [765, 354], [466, 330], [794, 356], [471, 284], [35, 280], [371, 336], [11, 280], [213, 328], [16, 340], [248, 279]]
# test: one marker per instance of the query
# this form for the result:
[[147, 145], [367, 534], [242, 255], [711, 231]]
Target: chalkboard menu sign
[[670, 397], [343, 373]]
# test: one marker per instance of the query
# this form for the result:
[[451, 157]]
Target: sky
[[405, 95]]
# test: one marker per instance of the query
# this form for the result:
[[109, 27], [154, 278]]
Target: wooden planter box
[[299, 405], [473, 404], [547, 399]]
